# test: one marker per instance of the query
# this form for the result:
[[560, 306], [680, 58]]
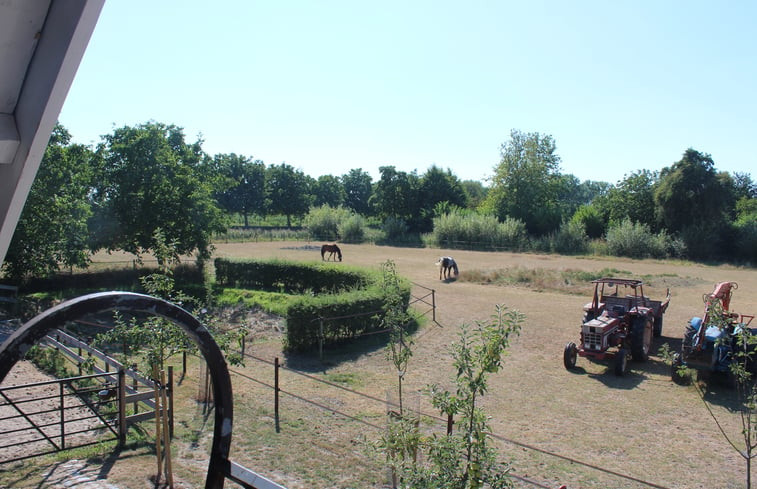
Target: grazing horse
[[446, 265], [331, 248]]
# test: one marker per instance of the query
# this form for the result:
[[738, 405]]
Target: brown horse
[[446, 265], [331, 248]]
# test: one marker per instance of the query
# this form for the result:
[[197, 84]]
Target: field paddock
[[586, 428]]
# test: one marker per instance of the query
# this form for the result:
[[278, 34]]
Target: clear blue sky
[[335, 85]]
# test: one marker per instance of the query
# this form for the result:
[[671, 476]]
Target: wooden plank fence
[[140, 392]]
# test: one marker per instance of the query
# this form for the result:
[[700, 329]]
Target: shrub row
[[284, 276], [346, 303], [469, 229]]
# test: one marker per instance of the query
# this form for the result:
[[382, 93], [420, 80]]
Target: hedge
[[351, 302]]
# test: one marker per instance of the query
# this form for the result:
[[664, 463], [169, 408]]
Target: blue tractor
[[709, 344]]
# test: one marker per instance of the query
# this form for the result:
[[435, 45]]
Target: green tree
[[690, 192], [744, 186], [745, 227], [526, 182], [286, 191], [52, 230], [696, 202], [591, 220], [397, 195], [572, 194], [438, 186], [403, 438], [328, 190], [475, 192], [465, 459], [151, 180], [632, 198], [358, 187], [243, 190]]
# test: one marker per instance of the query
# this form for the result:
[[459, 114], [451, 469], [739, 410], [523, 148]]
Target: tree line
[[146, 180]]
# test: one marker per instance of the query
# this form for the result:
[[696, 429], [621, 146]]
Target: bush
[[746, 240], [394, 228], [460, 228], [323, 222], [570, 238], [635, 240], [591, 220], [352, 229], [708, 240]]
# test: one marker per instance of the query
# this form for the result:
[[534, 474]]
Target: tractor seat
[[617, 311]]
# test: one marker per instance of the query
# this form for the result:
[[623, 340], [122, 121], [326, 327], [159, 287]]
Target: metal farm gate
[[46, 417]]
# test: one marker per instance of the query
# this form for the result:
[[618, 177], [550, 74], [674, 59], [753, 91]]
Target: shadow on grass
[[342, 351], [630, 380]]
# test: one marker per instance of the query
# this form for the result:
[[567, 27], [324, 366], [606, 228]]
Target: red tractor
[[620, 320]]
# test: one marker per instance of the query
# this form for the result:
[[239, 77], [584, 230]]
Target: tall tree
[[632, 198], [286, 191], [744, 185], [696, 202], [438, 185], [526, 182], [358, 187], [244, 188], [328, 190], [397, 195], [52, 230], [151, 182], [690, 192], [475, 192]]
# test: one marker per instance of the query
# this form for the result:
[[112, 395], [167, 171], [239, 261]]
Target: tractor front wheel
[[641, 338], [570, 356], [621, 362]]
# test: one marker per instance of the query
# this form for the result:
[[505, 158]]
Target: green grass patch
[[272, 302], [346, 378]]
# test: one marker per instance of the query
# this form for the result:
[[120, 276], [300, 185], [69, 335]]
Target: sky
[[330, 86]]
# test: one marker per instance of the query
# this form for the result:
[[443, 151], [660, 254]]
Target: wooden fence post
[[433, 305], [450, 422], [169, 388], [135, 386], [276, 394], [121, 407], [157, 422]]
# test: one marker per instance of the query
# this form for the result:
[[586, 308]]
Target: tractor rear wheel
[[641, 338], [621, 362], [570, 356], [658, 327]]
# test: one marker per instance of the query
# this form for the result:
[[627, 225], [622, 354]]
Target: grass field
[[585, 429]]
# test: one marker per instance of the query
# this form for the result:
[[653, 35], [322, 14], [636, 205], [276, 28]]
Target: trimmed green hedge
[[350, 301], [285, 276]]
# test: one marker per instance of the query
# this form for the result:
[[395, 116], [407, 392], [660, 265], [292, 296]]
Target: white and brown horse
[[447, 265]]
